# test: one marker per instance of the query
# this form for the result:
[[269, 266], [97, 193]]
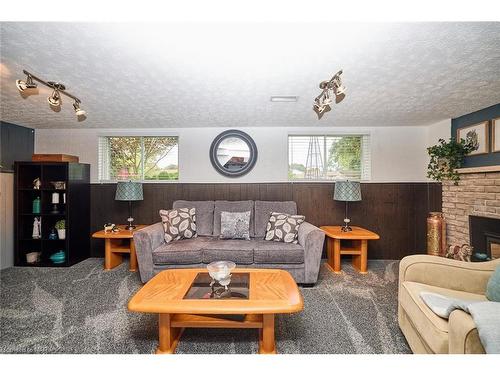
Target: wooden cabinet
[[73, 194]]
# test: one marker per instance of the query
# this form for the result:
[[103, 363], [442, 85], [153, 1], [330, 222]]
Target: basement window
[[138, 158], [329, 157]]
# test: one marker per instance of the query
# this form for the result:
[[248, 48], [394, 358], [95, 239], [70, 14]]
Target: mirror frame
[[233, 133]]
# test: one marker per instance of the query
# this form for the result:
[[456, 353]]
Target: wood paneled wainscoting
[[396, 211]]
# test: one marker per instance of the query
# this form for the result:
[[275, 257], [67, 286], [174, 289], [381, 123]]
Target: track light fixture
[[25, 85], [78, 111], [332, 87], [54, 99]]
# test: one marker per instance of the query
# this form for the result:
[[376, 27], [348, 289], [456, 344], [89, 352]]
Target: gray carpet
[[82, 309]]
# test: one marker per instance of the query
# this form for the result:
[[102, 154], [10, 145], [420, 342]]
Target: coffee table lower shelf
[[171, 327]]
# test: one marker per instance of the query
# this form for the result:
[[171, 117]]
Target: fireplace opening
[[484, 237]]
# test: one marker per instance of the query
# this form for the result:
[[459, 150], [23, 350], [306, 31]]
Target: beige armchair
[[425, 331]]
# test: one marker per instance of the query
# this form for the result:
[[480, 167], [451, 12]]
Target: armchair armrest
[[469, 277], [146, 240], [463, 337], [311, 238]]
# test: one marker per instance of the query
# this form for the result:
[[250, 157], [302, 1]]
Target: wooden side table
[[336, 246], [118, 243]]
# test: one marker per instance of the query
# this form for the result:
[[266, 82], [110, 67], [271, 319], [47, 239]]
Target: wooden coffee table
[[353, 243], [118, 243], [271, 292]]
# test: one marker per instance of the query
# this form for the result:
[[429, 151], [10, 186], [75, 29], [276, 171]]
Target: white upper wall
[[398, 153]]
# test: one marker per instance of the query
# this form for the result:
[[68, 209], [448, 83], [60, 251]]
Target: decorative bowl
[[33, 257], [58, 257], [220, 271]]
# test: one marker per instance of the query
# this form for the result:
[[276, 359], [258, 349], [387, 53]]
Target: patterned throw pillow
[[283, 227], [179, 223], [235, 225]]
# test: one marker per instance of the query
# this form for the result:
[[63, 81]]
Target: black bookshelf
[[75, 212]]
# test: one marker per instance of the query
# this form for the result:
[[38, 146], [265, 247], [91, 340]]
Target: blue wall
[[492, 158]]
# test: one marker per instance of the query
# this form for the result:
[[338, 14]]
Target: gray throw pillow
[[283, 227], [493, 287], [179, 223], [235, 225]]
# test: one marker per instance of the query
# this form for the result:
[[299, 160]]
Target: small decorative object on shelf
[[436, 234], [481, 257], [53, 234], [220, 272], [59, 257], [108, 227], [36, 184], [37, 228], [37, 205], [33, 257], [457, 252], [55, 202], [61, 229], [58, 185]]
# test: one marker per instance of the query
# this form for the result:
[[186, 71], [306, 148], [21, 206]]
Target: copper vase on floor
[[436, 234]]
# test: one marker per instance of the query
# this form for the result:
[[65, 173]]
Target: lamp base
[[346, 227], [130, 226]]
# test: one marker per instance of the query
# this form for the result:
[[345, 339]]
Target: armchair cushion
[[432, 328], [493, 287]]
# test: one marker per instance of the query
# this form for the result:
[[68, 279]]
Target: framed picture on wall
[[478, 133], [495, 131]]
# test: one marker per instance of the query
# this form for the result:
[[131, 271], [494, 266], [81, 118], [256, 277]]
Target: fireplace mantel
[[487, 169]]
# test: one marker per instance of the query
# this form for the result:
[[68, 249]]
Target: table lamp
[[129, 191], [347, 191]]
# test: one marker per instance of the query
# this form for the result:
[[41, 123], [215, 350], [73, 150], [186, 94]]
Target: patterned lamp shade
[[128, 191], [347, 191]]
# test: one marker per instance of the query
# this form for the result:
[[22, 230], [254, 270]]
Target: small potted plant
[[61, 229], [446, 157]]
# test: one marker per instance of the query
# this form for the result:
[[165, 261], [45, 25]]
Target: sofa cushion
[[204, 215], [179, 223], [180, 252], [283, 227], [238, 251], [432, 328], [235, 225], [263, 210], [493, 287], [277, 252], [232, 206]]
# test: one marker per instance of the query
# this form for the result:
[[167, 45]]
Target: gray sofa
[[302, 260]]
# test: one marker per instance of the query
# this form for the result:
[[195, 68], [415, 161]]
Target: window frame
[[141, 135], [329, 134]]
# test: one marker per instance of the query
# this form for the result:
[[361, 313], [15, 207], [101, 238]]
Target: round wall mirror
[[233, 153]]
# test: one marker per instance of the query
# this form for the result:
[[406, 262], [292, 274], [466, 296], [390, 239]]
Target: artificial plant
[[446, 157]]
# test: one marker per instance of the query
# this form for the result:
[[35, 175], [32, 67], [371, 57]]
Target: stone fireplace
[[466, 207]]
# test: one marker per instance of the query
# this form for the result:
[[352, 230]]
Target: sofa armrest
[[463, 337], [311, 238], [146, 240], [452, 274]]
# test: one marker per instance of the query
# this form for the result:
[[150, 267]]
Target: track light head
[[25, 85], [78, 111], [54, 99]]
